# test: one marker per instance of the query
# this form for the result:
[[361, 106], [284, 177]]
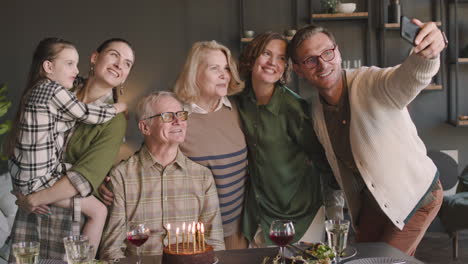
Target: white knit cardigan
[[385, 144]]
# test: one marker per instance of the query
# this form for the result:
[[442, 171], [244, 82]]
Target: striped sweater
[[216, 141]]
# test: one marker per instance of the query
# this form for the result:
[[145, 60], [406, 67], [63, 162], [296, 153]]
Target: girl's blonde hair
[[186, 87]]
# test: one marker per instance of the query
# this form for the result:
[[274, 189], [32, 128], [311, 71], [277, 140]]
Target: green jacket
[[283, 149]]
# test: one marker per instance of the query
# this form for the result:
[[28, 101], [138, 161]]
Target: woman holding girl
[[91, 150], [283, 182]]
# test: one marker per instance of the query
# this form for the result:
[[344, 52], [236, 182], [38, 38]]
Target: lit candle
[[194, 239], [203, 236], [168, 227], [183, 235], [189, 231], [199, 236], [177, 240]]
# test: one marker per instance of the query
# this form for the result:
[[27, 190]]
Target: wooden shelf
[[462, 60], [462, 122], [459, 123], [434, 87], [397, 25], [340, 16], [392, 25], [246, 40]]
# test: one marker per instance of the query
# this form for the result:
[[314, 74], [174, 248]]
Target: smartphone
[[408, 30]]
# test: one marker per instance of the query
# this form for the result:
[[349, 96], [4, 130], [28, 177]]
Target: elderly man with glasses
[[360, 116], [159, 186]]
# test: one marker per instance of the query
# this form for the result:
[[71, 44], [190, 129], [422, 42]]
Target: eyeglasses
[[312, 61], [168, 117]]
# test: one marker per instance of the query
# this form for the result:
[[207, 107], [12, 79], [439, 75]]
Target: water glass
[[78, 249], [337, 233], [346, 64], [26, 252], [357, 63]]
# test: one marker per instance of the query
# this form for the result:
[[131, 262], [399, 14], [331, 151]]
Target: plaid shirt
[[51, 111], [146, 192], [50, 230]]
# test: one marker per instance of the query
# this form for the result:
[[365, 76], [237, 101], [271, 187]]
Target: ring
[[445, 39]]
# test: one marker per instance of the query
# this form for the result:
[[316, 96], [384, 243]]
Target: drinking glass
[[137, 235], [78, 249], [282, 233], [26, 252], [337, 233]]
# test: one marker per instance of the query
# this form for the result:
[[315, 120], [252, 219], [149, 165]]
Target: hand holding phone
[[408, 30]]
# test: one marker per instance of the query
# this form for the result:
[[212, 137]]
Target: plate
[[51, 261], [349, 252], [216, 260], [381, 260]]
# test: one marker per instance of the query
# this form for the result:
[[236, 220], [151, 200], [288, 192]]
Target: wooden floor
[[436, 248]]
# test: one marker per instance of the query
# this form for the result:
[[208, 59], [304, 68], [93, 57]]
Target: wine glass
[[282, 233], [337, 233], [137, 235]]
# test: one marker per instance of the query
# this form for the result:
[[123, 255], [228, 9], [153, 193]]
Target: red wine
[[281, 239], [137, 240]]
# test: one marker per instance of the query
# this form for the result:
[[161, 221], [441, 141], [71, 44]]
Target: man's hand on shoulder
[[430, 41]]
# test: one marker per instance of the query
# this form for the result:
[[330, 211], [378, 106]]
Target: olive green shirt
[[92, 149], [284, 184]]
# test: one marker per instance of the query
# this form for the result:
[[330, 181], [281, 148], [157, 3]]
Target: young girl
[[46, 114]]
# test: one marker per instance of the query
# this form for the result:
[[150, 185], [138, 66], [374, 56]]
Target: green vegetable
[[321, 251]]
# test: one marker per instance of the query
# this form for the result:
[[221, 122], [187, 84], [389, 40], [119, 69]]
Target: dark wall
[[163, 31], [160, 31]]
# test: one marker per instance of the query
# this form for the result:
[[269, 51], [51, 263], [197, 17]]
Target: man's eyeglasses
[[312, 61], [168, 117]]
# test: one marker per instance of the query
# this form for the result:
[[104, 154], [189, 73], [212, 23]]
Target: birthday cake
[[184, 253]]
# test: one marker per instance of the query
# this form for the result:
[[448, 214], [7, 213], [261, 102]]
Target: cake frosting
[[185, 254]]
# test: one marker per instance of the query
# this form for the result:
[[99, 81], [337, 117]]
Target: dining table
[[256, 255]]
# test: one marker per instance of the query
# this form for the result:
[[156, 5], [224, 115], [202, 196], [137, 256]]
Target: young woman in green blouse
[[282, 147]]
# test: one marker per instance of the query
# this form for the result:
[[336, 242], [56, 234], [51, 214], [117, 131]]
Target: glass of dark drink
[[137, 235], [282, 233]]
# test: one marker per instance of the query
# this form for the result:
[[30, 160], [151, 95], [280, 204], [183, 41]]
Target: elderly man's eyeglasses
[[312, 61], [168, 117]]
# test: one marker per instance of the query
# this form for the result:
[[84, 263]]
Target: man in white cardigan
[[390, 185]]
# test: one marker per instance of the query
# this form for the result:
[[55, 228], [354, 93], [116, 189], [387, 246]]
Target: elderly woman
[[214, 136], [91, 149], [278, 128]]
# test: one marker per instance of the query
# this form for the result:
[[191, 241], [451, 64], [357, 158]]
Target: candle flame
[[202, 228], [177, 231], [168, 226]]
